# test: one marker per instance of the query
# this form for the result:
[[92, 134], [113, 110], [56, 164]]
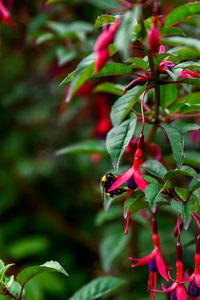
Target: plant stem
[[155, 76]]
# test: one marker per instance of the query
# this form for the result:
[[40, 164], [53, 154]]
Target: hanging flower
[[177, 290], [194, 279], [154, 260], [134, 171]]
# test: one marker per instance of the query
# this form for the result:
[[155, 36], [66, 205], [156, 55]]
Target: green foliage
[[118, 139], [98, 288], [124, 104]]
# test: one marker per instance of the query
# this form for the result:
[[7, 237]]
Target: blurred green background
[[49, 203]]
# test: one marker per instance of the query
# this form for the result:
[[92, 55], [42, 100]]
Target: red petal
[[168, 290], [104, 40], [161, 265], [184, 74], [162, 49], [101, 57], [181, 292], [141, 182], [122, 179], [142, 261]]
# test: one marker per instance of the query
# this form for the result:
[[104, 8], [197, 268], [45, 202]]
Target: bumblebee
[[107, 181]]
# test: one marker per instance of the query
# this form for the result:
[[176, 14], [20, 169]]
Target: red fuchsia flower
[[102, 45], [194, 279], [154, 260], [133, 177], [177, 290], [168, 65], [134, 171], [5, 14]]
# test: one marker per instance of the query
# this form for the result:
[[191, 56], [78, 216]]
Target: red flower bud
[[106, 37], [101, 58], [153, 39]]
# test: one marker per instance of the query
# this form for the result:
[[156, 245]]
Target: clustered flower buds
[[102, 45]]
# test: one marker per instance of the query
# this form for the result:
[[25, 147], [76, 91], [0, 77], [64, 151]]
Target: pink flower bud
[[106, 37], [101, 58], [153, 39]]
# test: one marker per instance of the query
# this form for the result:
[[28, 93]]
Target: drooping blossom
[[5, 14], [194, 279], [101, 47], [168, 65], [133, 177], [177, 289], [154, 260], [134, 171]]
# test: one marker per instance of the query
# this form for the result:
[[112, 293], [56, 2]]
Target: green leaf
[[111, 247], [130, 202], [138, 63], [85, 70], [182, 41], [194, 184], [155, 168], [192, 158], [43, 37], [185, 170], [3, 271], [192, 98], [64, 55], [152, 193], [171, 31], [118, 139], [109, 87], [188, 64], [101, 20], [124, 104], [104, 4], [187, 212], [108, 215], [182, 12], [189, 108], [183, 53], [185, 127], [64, 30], [124, 33], [168, 94], [50, 266], [182, 193], [176, 141], [98, 288], [85, 147], [177, 206]]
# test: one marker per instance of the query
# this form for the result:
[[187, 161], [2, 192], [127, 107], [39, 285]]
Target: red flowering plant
[[157, 107]]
